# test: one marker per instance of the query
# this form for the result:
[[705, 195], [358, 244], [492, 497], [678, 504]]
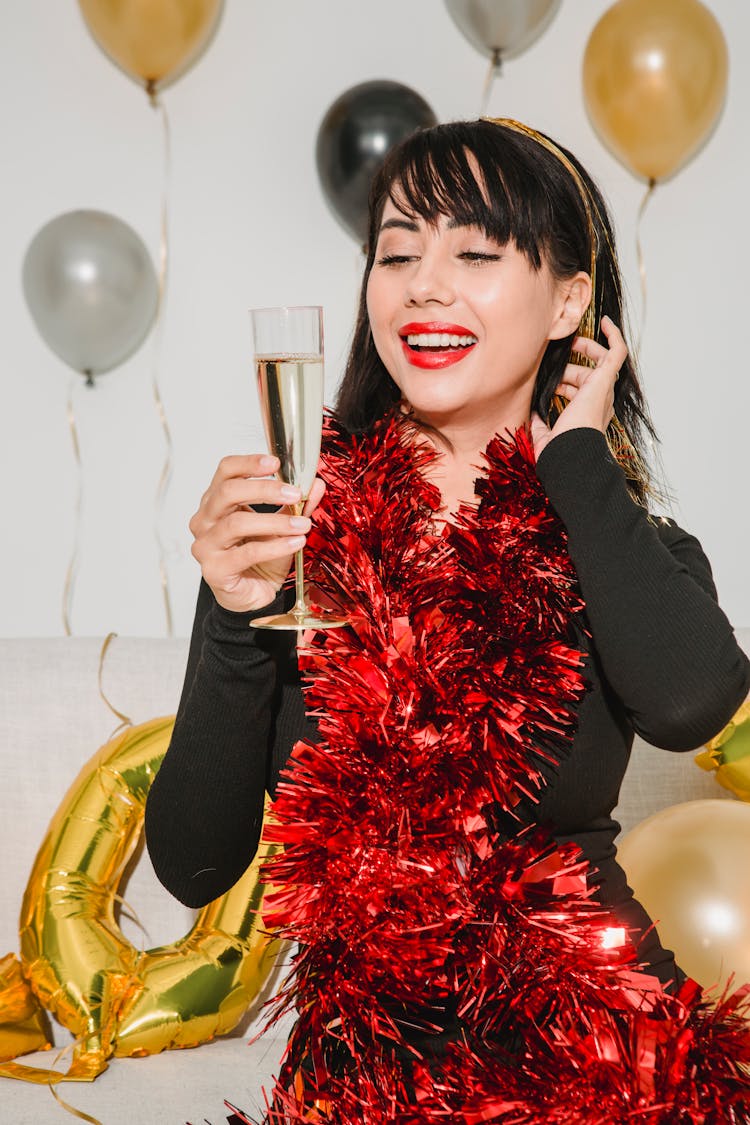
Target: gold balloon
[[23, 1022], [654, 82], [203, 985], [688, 866], [154, 41], [113, 998]]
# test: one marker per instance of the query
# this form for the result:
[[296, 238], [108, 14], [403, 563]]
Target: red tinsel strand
[[416, 900]]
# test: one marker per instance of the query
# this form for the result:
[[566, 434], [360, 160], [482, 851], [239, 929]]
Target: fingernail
[[289, 492], [295, 543], [299, 523], [268, 463]]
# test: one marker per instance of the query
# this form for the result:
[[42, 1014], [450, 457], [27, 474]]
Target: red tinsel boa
[[420, 899]]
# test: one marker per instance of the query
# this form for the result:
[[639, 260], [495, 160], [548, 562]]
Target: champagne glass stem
[[300, 605]]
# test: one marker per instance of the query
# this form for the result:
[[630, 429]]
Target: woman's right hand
[[245, 556]]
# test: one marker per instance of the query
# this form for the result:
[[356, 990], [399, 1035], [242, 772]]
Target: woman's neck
[[461, 460]]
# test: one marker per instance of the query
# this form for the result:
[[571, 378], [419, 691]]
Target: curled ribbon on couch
[[115, 999]]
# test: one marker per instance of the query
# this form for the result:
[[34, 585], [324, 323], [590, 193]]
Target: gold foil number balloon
[[115, 999], [654, 82], [688, 866], [23, 1022], [154, 41], [728, 754]]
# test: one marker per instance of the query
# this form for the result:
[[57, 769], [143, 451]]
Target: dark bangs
[[478, 174]]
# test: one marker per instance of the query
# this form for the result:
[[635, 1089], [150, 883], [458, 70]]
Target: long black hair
[[516, 190]]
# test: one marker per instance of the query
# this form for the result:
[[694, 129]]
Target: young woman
[[469, 949]]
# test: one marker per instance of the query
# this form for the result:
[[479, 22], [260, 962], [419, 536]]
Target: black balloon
[[354, 137]]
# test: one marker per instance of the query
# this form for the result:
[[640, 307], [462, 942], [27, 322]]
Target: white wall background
[[249, 226]]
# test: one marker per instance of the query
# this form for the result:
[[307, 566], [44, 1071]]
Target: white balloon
[[91, 289], [502, 27]]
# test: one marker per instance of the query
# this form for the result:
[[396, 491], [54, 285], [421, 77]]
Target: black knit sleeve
[[664, 644], [204, 811]]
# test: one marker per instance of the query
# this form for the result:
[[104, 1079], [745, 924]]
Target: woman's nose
[[428, 281]]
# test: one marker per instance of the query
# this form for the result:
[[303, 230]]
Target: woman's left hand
[[590, 391]]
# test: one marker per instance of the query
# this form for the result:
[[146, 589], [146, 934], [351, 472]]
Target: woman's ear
[[575, 296]]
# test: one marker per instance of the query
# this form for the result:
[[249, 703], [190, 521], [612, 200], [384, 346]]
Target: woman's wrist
[[241, 619], [589, 439]]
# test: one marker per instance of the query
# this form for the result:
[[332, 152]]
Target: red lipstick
[[414, 327], [434, 358]]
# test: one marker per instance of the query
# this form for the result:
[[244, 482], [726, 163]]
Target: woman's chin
[[440, 411]]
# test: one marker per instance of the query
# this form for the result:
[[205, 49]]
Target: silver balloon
[[91, 289], [502, 28]]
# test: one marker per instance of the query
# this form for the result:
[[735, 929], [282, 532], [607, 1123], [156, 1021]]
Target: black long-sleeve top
[[662, 661]]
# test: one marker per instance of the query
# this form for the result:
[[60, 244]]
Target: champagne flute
[[288, 349]]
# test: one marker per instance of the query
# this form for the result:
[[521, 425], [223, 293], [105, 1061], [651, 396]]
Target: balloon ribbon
[[70, 576], [641, 261], [163, 276], [125, 721], [495, 70]]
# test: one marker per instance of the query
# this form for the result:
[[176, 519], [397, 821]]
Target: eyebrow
[[409, 224]]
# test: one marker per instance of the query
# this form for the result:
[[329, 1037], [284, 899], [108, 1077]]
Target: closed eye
[[479, 256], [395, 259]]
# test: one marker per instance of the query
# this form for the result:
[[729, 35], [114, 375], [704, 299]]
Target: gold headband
[[587, 327], [619, 441]]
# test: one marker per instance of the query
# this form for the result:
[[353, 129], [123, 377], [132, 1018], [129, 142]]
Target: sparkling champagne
[[288, 350], [290, 389]]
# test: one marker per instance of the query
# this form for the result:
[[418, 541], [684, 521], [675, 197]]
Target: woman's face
[[460, 322]]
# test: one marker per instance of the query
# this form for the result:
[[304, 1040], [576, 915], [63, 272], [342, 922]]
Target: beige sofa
[[52, 720]]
